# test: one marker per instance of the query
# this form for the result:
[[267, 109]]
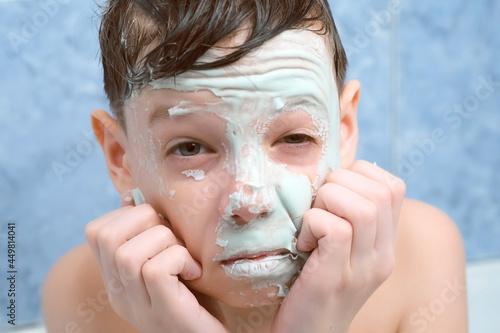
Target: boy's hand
[[140, 260], [351, 233]]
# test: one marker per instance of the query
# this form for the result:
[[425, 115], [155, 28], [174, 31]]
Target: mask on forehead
[[289, 73]]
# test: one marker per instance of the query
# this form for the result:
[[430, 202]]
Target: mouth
[[265, 264], [259, 256]]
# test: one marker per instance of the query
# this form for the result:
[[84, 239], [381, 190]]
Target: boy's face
[[232, 158]]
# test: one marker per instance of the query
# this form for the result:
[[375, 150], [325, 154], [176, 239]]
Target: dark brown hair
[[143, 40]]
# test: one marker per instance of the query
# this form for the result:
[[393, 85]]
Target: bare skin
[[378, 263], [427, 263]]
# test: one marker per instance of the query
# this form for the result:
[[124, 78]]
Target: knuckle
[[147, 212], [104, 236], [151, 272], [364, 163], [163, 233], [335, 175], [179, 251], [343, 233], [309, 216], [125, 260], [154, 272], [367, 213], [361, 165], [382, 194], [398, 187], [91, 231], [325, 190]]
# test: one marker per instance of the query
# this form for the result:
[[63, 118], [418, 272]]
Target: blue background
[[417, 65]]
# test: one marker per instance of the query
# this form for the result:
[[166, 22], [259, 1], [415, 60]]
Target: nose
[[251, 202]]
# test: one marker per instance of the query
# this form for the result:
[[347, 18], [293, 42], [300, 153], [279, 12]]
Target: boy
[[236, 129]]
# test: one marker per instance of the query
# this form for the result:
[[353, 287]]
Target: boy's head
[[233, 122], [144, 40]]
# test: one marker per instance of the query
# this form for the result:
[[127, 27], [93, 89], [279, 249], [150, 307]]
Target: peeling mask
[[292, 72]]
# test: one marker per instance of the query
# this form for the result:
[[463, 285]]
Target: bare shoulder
[[428, 240], [426, 291], [430, 263], [423, 230], [74, 298]]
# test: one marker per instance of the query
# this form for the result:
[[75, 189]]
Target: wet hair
[[144, 40]]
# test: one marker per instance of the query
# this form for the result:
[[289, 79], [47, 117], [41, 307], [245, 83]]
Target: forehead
[[294, 68], [291, 64]]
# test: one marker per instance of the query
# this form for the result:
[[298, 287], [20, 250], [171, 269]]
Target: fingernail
[[138, 197]]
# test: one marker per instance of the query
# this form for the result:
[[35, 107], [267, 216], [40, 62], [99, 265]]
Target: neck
[[257, 319]]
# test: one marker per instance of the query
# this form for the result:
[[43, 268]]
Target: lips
[[252, 256], [265, 266]]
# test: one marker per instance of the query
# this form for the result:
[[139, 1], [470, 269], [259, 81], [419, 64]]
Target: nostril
[[239, 220], [242, 218], [263, 215]]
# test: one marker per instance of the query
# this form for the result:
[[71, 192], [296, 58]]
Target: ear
[[112, 139], [349, 132]]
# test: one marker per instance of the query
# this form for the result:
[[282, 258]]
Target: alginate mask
[[288, 73]]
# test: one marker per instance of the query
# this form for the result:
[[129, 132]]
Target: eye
[[188, 149], [296, 138]]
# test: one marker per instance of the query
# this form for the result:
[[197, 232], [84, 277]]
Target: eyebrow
[[159, 113]]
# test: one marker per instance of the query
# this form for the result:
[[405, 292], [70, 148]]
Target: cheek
[[196, 204], [295, 194]]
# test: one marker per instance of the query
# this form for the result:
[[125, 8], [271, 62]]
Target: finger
[[120, 230], [93, 227], [397, 189], [162, 281], [329, 237], [170, 296], [360, 212], [380, 206], [132, 255], [396, 186]]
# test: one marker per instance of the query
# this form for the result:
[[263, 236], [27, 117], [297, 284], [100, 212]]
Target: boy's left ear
[[349, 132]]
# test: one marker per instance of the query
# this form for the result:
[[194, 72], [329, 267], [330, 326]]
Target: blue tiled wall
[[419, 62]]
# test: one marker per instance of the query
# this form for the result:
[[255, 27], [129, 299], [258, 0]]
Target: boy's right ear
[[112, 139]]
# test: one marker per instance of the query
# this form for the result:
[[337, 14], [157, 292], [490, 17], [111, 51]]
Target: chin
[[252, 290]]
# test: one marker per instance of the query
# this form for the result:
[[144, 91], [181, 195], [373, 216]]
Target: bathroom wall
[[429, 112]]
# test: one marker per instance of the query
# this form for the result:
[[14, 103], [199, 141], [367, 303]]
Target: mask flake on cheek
[[196, 174]]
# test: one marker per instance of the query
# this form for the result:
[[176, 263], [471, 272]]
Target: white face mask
[[290, 73]]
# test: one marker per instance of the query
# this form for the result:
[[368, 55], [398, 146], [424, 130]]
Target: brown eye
[[189, 149]]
